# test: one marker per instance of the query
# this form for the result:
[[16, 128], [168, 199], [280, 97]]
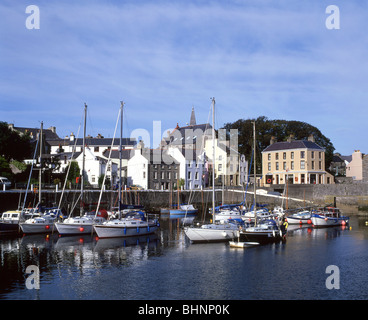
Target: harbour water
[[166, 266]]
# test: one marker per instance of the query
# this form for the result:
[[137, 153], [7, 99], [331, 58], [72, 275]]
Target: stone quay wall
[[349, 197]]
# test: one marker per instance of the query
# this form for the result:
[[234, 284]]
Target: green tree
[[74, 171], [281, 130], [13, 145], [5, 170]]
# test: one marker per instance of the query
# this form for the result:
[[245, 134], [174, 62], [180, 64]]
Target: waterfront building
[[295, 161], [191, 167], [152, 169], [354, 169], [231, 167], [98, 145], [339, 163]]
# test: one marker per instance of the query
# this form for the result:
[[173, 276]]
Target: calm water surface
[[166, 266]]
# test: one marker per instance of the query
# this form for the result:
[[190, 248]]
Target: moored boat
[[265, 232], [329, 217], [302, 217], [213, 232], [134, 224]]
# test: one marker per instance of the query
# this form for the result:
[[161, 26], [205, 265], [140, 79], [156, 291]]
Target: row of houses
[[185, 157]]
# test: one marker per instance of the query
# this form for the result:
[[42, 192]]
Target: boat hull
[[74, 228], [296, 220], [198, 235], [8, 228], [115, 231], [29, 228], [182, 212], [261, 237], [321, 221]]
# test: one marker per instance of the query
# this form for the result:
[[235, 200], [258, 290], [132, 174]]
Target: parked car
[[6, 182]]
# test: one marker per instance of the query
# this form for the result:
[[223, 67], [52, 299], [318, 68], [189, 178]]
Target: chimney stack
[[273, 140]]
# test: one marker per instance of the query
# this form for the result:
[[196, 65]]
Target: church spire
[[192, 118]]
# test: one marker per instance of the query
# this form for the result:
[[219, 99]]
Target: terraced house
[[295, 161]]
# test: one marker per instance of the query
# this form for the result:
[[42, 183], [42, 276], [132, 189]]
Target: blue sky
[[256, 57]]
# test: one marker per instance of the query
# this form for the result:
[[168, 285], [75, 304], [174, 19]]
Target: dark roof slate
[[296, 144]]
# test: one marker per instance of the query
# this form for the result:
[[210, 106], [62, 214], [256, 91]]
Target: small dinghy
[[242, 244]]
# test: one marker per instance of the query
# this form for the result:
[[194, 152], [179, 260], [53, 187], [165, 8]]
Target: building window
[[320, 155], [269, 156], [277, 156], [292, 165], [269, 166], [292, 155], [277, 166], [302, 154], [197, 175], [320, 165], [169, 175], [155, 175], [189, 175], [144, 175], [284, 165], [284, 155], [312, 165], [162, 175], [220, 167], [302, 164], [312, 154]]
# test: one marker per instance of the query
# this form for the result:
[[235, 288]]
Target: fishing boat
[[212, 232], [134, 223], [328, 217]]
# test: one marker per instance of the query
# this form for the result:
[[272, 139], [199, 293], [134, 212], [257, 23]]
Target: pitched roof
[[295, 144]]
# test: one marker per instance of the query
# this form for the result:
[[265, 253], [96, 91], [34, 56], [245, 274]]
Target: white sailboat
[[213, 232], [39, 223], [267, 230], [135, 223], [85, 222]]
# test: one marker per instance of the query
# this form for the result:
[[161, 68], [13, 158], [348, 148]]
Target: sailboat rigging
[[213, 232], [134, 223]]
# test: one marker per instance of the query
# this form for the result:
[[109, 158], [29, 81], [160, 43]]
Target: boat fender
[[300, 222], [137, 229], [148, 229], [224, 234], [125, 230], [47, 227], [326, 219], [81, 229], [273, 233]]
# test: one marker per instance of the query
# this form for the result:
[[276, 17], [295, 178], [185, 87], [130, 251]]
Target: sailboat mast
[[255, 174], [40, 169], [120, 153], [213, 157], [83, 160]]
